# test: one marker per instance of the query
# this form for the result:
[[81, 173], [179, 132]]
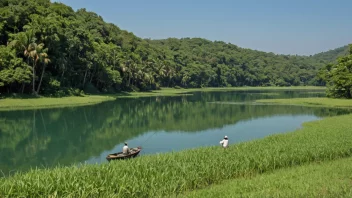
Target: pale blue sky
[[279, 26]]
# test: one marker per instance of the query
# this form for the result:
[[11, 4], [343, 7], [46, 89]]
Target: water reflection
[[69, 135], [162, 141]]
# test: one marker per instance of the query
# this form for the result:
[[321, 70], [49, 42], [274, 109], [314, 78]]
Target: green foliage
[[169, 174], [90, 89], [330, 56], [12, 69], [54, 85], [338, 77], [79, 48]]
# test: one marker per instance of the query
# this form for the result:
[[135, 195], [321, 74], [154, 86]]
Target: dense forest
[[338, 77], [50, 49]]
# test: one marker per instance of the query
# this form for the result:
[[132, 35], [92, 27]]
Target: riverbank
[[8, 104], [318, 179], [173, 91], [311, 102], [169, 174]]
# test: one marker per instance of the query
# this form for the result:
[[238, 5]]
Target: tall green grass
[[174, 173], [327, 179]]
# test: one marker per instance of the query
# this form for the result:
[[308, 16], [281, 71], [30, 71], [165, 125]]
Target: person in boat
[[225, 142], [125, 149]]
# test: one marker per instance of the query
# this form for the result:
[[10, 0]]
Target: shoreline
[[309, 102], [13, 104], [321, 141], [318, 141]]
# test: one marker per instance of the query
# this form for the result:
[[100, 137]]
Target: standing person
[[225, 142], [125, 149]]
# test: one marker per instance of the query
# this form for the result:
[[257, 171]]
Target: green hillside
[[332, 55], [48, 48]]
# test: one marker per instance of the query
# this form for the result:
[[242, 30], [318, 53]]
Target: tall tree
[[23, 42], [44, 60], [339, 77], [34, 53], [86, 52]]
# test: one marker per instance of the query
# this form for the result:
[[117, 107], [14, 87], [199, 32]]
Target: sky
[[302, 27]]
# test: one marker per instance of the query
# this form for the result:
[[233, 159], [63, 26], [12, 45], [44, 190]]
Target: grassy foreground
[[45, 102], [327, 179], [320, 102], [170, 174]]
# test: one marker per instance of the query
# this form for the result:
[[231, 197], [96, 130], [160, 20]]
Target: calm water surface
[[46, 138]]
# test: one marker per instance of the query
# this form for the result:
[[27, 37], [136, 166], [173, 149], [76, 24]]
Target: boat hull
[[120, 156]]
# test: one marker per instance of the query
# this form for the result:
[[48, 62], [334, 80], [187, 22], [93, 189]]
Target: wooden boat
[[120, 156]]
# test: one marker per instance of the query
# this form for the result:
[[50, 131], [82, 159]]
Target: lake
[[65, 136]]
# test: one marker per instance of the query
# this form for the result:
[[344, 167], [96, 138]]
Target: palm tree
[[161, 69], [61, 63], [26, 41], [135, 72], [33, 53], [125, 68], [23, 42], [149, 79], [44, 58], [169, 73], [185, 79]]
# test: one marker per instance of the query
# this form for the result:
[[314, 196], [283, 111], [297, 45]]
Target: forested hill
[[48, 48], [236, 66], [331, 55]]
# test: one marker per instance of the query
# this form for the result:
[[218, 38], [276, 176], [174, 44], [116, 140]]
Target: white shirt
[[224, 143], [125, 149]]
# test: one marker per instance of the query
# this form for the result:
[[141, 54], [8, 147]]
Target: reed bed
[[163, 175]]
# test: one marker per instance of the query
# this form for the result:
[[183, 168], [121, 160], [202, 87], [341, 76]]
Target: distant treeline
[[48, 48]]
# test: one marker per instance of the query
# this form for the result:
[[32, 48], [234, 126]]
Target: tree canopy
[[338, 77], [49, 48]]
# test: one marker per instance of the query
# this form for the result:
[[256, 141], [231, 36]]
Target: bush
[[110, 90], [74, 92], [90, 89], [177, 87], [60, 93]]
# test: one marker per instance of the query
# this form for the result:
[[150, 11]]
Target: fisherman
[[125, 149], [224, 142]]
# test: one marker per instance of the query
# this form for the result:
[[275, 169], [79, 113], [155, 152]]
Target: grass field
[[320, 102], [169, 174], [318, 179], [16, 103], [39, 103]]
